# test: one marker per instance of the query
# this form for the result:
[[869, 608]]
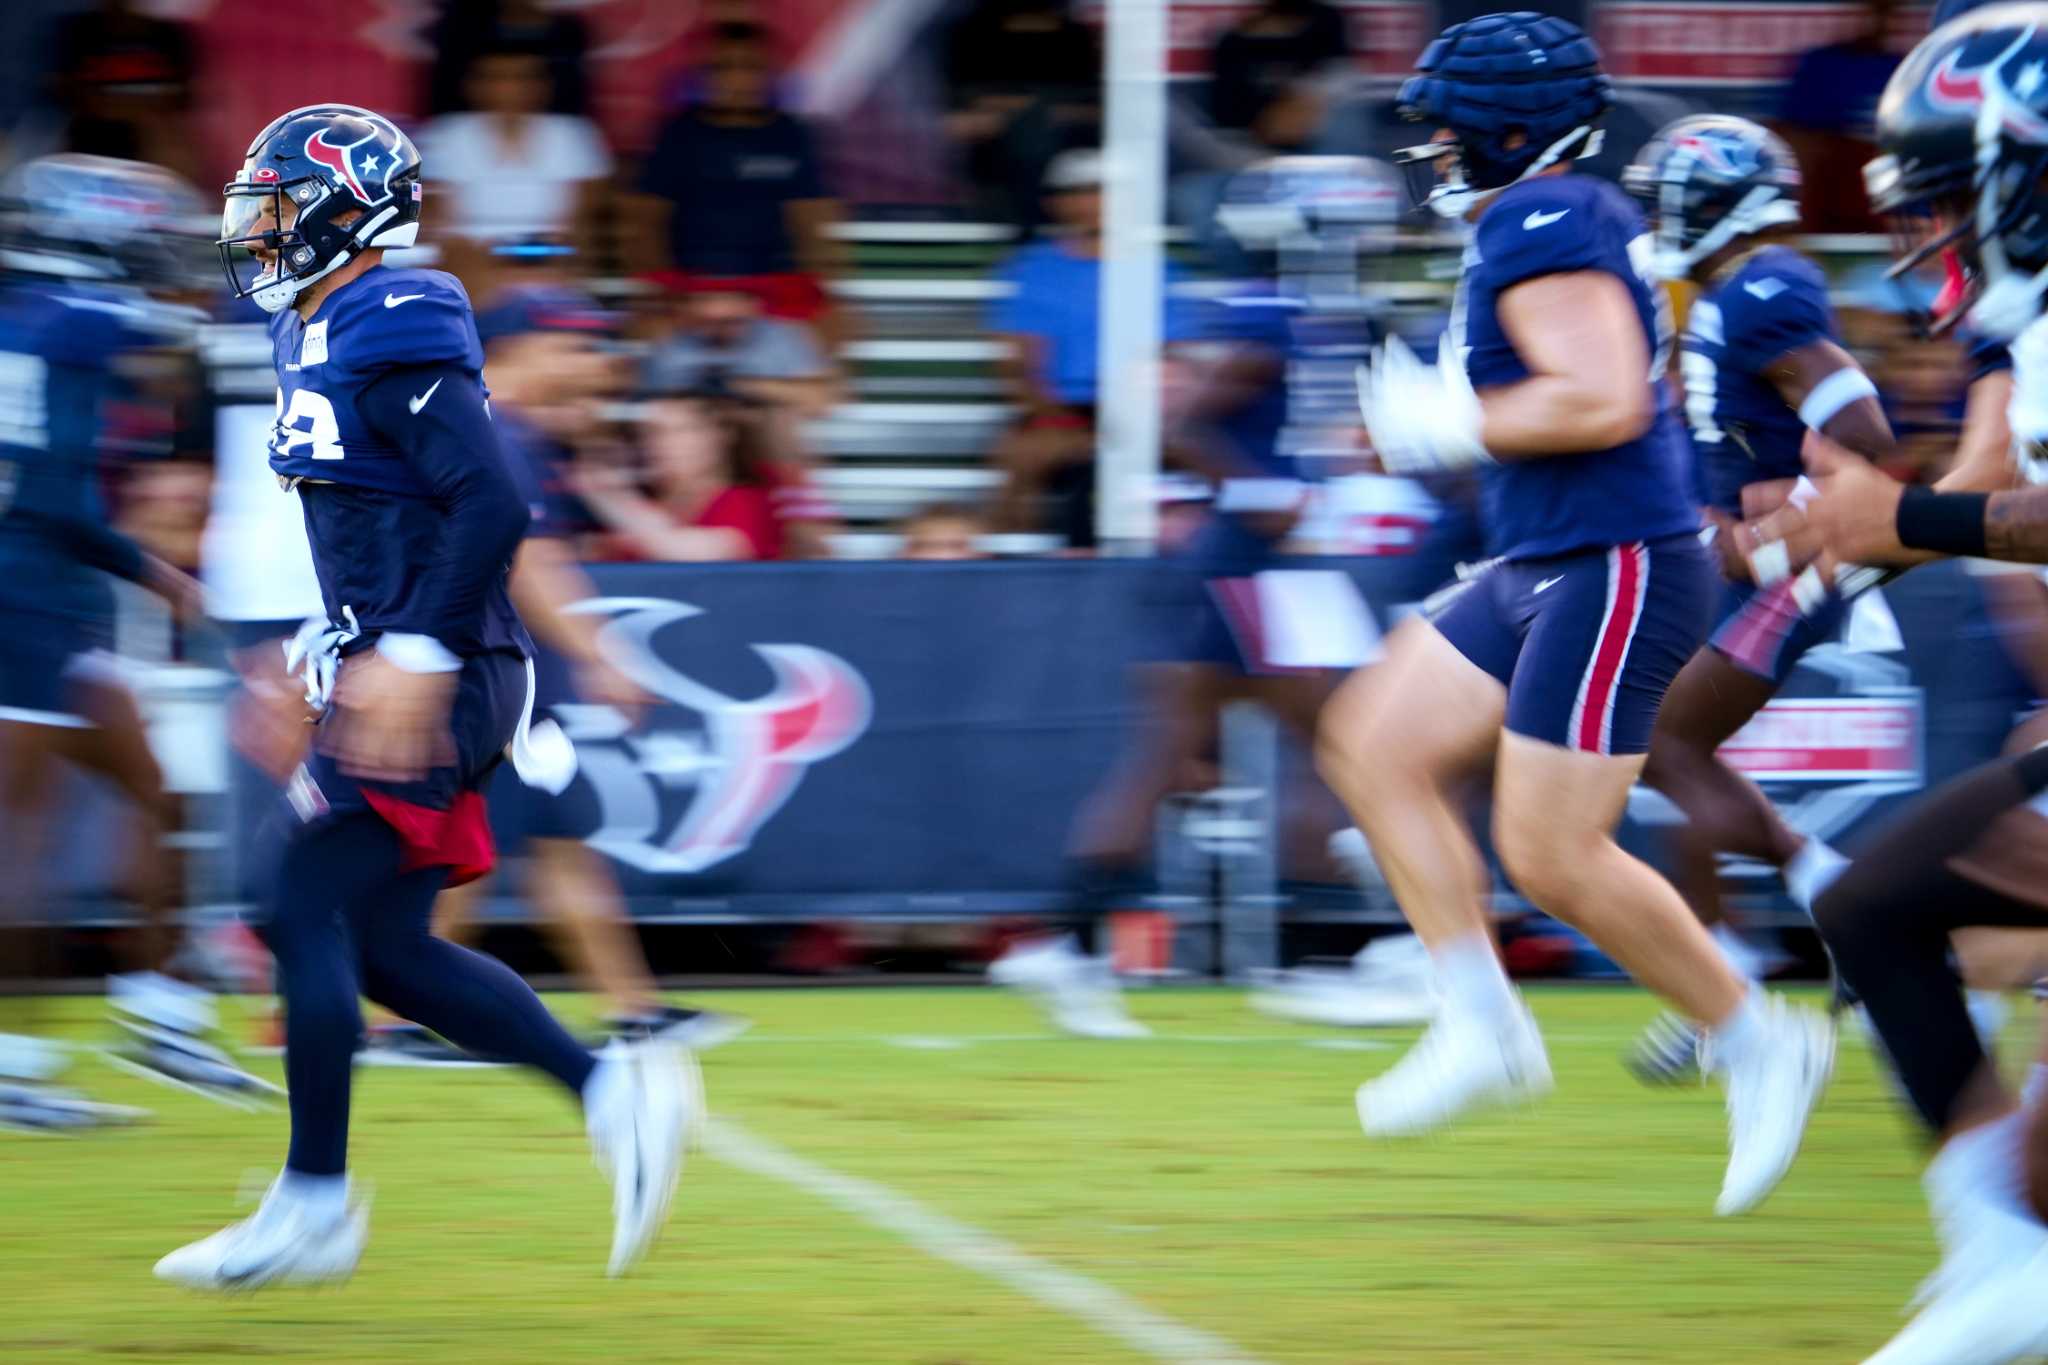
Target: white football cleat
[[1390, 983], [39, 1108], [283, 1242], [1460, 1064], [1079, 993], [1771, 1094], [1996, 1315], [643, 1108]]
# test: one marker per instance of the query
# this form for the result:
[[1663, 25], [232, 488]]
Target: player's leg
[[1399, 741], [167, 1023], [1889, 920], [1611, 632], [642, 1102]]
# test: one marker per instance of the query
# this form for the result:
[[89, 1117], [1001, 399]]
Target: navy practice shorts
[[1762, 631], [1587, 643]]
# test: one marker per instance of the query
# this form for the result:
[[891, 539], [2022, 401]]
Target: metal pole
[[1130, 305]]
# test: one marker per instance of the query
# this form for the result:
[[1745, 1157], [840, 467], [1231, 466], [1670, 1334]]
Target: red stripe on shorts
[[1624, 608]]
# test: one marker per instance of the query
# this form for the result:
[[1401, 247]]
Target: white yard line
[[946, 1239]]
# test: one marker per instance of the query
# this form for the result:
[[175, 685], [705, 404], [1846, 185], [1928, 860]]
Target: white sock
[[2035, 1092], [1812, 870], [324, 1197], [157, 999], [608, 1080], [1742, 1034], [1473, 980], [1735, 950], [23, 1058], [1987, 1162]]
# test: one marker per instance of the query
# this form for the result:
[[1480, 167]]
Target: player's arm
[[435, 415], [1582, 341], [1832, 395], [546, 582], [1203, 383], [58, 491], [1984, 462]]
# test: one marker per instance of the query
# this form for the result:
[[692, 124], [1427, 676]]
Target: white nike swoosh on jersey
[[421, 401], [1765, 289], [1548, 583], [1539, 219], [393, 300]]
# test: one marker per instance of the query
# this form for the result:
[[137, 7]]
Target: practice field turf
[[1203, 1195]]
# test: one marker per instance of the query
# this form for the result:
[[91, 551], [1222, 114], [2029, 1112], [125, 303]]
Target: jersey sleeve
[[1772, 313], [1546, 230], [437, 418], [1983, 357], [410, 318]]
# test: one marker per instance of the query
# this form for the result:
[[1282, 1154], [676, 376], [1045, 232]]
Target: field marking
[[931, 1042], [947, 1239]]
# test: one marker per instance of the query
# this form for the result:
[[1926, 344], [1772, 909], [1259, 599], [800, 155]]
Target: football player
[[1763, 361], [422, 673], [1963, 126], [1550, 665], [82, 240]]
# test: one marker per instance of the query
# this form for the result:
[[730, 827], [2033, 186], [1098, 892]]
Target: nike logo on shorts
[[1544, 586], [1540, 219], [393, 300], [420, 401]]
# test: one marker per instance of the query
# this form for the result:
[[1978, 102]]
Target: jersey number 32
[[309, 421]]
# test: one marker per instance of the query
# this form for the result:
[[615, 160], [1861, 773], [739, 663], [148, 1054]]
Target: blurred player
[[414, 516], [82, 239], [1552, 664], [1228, 607], [1763, 361], [1890, 917], [547, 375]]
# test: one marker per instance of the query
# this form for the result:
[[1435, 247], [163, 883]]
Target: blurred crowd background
[[854, 247], [818, 279]]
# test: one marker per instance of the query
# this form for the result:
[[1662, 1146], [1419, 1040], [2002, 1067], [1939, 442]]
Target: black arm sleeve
[[451, 446]]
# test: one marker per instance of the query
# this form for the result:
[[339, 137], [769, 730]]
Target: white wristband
[[417, 653], [1831, 395]]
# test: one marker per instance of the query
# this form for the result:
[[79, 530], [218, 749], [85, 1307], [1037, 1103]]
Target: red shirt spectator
[[707, 493]]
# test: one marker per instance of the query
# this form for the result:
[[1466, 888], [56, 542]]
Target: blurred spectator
[[1048, 318], [732, 191], [944, 531], [508, 171], [1260, 61], [721, 333], [470, 29], [1828, 113], [125, 80], [1023, 82], [709, 487]]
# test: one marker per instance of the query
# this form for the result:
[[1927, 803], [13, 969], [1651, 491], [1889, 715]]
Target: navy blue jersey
[[1742, 431], [383, 427], [1551, 225], [1983, 356], [59, 343], [536, 460]]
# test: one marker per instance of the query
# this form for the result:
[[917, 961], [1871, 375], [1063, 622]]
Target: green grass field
[[1214, 1175]]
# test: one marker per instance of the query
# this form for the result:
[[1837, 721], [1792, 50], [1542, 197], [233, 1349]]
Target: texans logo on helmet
[[341, 160], [1949, 87], [1725, 156], [682, 797]]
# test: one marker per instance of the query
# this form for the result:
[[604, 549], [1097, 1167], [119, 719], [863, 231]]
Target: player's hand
[[1422, 419], [1766, 496], [386, 724], [181, 591], [602, 684], [1855, 518], [269, 722], [1730, 536]]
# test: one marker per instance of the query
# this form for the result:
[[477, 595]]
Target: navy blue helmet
[[318, 187], [1512, 95], [1963, 133], [1706, 181], [102, 219]]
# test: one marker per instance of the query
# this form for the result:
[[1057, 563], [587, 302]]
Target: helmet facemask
[[2010, 225]]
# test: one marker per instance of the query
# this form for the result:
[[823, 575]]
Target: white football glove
[[1421, 420]]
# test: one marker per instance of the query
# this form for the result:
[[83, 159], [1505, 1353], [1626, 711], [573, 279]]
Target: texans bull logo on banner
[[679, 798]]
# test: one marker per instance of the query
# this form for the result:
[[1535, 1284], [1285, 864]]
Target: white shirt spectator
[[503, 191]]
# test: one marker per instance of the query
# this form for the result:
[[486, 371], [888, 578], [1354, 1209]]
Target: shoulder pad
[[393, 318]]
